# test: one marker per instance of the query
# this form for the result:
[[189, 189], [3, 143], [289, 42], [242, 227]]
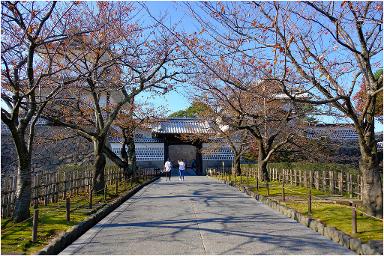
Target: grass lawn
[[16, 238], [340, 216], [333, 215]]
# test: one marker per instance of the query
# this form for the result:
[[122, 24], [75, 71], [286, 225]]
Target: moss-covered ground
[[16, 237], [323, 206]]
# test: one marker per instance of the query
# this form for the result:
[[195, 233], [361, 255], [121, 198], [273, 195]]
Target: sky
[[178, 99]]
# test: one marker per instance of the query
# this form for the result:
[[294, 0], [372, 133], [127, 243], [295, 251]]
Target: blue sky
[[178, 99]]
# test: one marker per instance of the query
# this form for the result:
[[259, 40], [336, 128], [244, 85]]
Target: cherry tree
[[324, 49], [262, 111], [122, 57], [33, 36], [132, 117], [361, 97], [230, 72]]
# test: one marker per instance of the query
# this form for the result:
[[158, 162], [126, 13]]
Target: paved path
[[198, 216]]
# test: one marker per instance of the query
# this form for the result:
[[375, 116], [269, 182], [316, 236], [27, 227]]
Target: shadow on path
[[199, 216]]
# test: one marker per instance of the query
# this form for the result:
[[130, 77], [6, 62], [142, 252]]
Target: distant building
[[335, 132], [162, 141]]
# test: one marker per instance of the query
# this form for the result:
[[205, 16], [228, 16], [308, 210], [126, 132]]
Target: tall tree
[[132, 117], [259, 109], [123, 58], [361, 97], [324, 49], [238, 140], [240, 85], [33, 35]]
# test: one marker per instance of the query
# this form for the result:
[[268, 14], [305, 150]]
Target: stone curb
[[61, 242], [373, 247]]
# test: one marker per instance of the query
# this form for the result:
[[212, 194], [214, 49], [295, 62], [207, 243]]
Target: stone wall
[[54, 146]]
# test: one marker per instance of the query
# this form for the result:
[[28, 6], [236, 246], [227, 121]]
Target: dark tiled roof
[[182, 125]]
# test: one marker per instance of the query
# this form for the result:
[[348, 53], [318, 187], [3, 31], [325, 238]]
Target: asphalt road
[[198, 216]]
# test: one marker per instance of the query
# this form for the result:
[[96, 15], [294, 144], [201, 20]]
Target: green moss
[[16, 237]]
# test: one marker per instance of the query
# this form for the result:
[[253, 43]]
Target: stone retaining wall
[[373, 247], [53, 147]]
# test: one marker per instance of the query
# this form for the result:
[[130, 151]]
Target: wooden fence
[[335, 182], [49, 187]]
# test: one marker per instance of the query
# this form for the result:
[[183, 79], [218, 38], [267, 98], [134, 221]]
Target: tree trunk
[[131, 155], [372, 193], [23, 189], [100, 161], [114, 158], [124, 156], [262, 164], [263, 171], [236, 165], [24, 181]]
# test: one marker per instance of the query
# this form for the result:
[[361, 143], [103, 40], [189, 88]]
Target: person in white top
[[181, 169], [167, 169]]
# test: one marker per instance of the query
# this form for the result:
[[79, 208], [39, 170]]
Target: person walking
[[167, 169], [181, 169]]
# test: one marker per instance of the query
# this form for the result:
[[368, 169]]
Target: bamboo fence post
[[105, 192], [35, 224], [317, 178], [354, 219], [305, 179], [340, 174], [360, 182], [310, 182], [283, 189], [349, 185], [310, 194], [310, 202], [331, 182], [90, 197], [68, 209], [117, 186], [324, 173], [300, 179], [257, 182], [291, 176], [65, 186], [276, 174]]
